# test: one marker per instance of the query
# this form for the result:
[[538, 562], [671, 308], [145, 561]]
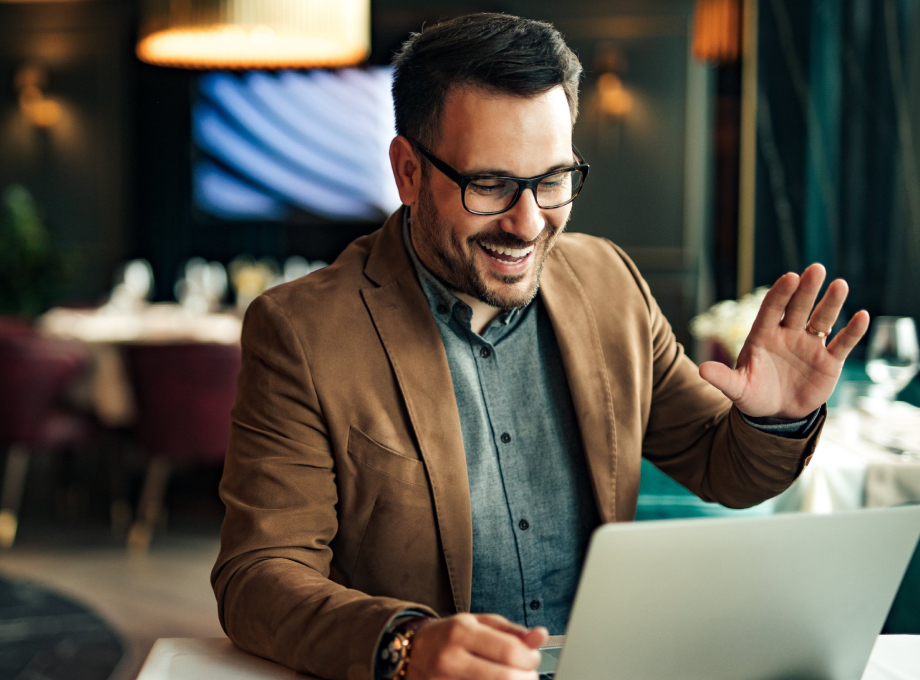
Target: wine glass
[[894, 354]]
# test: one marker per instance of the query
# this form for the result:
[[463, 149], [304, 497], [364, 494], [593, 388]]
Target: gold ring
[[814, 331]]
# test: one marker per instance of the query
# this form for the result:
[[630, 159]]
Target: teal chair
[[660, 497], [904, 617]]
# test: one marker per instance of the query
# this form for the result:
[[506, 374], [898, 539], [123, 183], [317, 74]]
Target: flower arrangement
[[729, 322]]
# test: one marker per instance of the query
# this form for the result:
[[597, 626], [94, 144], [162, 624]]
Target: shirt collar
[[442, 302]]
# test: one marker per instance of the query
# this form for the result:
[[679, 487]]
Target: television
[[293, 146]]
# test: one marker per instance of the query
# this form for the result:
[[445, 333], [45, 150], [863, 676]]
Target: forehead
[[524, 136]]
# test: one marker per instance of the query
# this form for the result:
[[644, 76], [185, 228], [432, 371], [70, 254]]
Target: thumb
[[723, 378]]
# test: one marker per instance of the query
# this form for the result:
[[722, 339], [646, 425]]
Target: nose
[[525, 219]]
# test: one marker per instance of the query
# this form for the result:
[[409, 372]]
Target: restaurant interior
[[151, 189]]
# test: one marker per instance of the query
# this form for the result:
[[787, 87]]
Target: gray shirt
[[532, 506]]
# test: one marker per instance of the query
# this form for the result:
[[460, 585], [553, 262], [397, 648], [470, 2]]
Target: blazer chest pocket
[[385, 461]]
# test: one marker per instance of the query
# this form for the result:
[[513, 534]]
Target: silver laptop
[[786, 597]]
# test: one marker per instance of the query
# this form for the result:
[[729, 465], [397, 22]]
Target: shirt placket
[[505, 442]]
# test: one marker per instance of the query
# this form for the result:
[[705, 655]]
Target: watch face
[[392, 657]]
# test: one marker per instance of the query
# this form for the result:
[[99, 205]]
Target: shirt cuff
[[392, 624], [793, 429]]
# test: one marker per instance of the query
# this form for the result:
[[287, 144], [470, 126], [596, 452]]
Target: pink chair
[[184, 393], [36, 372], [15, 327]]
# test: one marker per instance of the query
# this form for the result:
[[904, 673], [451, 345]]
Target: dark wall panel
[[79, 170]]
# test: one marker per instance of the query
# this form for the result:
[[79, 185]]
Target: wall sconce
[[31, 82], [613, 100]]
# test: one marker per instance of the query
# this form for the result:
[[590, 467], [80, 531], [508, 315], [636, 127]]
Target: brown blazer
[[345, 480]]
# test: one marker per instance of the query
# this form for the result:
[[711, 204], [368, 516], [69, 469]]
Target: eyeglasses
[[493, 195]]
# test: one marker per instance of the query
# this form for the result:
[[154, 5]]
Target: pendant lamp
[[254, 34]]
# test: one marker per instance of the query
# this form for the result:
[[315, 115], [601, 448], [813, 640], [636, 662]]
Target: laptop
[[785, 597]]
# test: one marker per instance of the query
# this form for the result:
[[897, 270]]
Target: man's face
[[486, 133]]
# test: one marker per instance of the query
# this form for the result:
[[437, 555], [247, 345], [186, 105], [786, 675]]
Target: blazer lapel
[[413, 344], [588, 376]]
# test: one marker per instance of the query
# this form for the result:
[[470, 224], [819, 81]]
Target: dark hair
[[495, 52]]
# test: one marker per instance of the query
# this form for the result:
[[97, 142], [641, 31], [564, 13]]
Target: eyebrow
[[501, 172]]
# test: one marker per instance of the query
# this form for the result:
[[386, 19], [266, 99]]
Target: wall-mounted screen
[[294, 144]]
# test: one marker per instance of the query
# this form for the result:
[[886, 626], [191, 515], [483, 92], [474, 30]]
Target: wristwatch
[[395, 647]]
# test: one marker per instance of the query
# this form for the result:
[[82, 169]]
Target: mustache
[[503, 239]]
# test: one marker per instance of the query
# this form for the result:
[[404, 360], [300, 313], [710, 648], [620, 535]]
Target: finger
[[846, 339], [799, 307], [724, 379], [502, 648], [499, 622], [536, 637], [532, 637], [475, 668], [825, 315], [774, 304]]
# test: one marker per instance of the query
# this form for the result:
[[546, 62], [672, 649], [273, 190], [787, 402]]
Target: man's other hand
[[475, 647], [784, 370]]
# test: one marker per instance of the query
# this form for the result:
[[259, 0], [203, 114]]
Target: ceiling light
[[254, 34]]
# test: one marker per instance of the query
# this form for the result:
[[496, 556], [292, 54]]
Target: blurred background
[[156, 176]]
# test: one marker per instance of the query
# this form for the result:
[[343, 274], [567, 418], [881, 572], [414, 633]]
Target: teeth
[[511, 252]]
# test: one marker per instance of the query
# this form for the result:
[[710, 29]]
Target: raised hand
[[475, 647], [784, 369]]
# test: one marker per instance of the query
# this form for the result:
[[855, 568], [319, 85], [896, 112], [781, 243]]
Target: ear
[[407, 170]]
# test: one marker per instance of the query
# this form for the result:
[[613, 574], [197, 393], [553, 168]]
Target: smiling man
[[427, 432], [487, 254]]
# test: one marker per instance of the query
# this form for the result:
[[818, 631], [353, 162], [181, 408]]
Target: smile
[[507, 255]]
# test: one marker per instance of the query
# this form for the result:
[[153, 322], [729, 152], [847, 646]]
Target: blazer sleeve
[[697, 437], [274, 595]]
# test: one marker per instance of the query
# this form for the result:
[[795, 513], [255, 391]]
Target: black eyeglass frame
[[523, 183]]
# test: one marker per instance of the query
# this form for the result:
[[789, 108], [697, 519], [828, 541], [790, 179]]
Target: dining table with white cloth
[[106, 390], [867, 457]]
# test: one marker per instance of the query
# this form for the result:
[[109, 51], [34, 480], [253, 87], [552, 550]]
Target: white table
[[894, 657], [852, 468], [106, 390]]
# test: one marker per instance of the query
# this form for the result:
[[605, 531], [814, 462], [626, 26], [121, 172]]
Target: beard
[[454, 261]]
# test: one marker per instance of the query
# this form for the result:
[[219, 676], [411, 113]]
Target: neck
[[482, 313]]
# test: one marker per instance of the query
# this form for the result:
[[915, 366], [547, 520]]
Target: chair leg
[[14, 481], [150, 504], [121, 513]]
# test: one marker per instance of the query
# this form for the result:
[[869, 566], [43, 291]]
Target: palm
[[783, 370]]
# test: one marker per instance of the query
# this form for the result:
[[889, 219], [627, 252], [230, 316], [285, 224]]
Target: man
[[434, 424]]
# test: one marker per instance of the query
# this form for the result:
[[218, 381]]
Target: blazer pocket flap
[[385, 460]]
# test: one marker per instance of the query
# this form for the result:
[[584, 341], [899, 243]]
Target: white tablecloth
[[894, 657], [853, 467]]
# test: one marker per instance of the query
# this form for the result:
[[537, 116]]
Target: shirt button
[[535, 604], [485, 352], [506, 437], [524, 524], [442, 309]]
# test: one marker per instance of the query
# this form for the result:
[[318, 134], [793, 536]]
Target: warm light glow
[[38, 109], [613, 99], [717, 30], [241, 34]]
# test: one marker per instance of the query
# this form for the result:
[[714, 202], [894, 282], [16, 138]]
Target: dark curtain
[[838, 135]]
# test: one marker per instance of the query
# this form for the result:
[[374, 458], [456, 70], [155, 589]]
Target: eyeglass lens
[[488, 195]]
